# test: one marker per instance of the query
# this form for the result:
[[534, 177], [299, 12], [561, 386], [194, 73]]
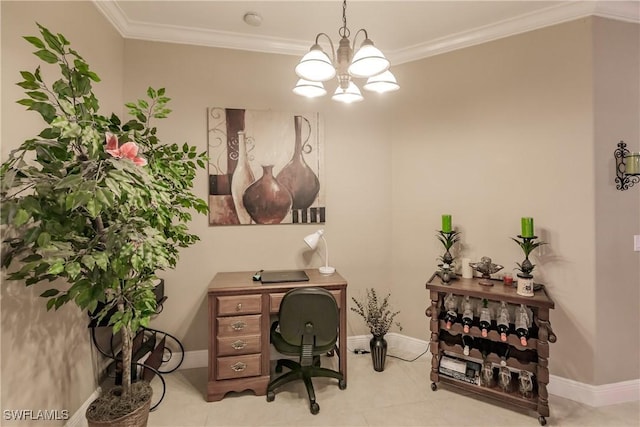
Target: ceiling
[[403, 30]]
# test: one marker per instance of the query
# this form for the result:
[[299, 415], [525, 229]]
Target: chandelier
[[369, 62]]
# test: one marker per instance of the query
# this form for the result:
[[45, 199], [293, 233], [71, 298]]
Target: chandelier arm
[[333, 51], [366, 36]]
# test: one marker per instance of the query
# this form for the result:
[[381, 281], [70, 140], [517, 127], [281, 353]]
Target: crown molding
[[196, 36], [628, 11]]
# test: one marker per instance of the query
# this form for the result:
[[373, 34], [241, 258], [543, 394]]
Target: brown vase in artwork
[[266, 200], [297, 176]]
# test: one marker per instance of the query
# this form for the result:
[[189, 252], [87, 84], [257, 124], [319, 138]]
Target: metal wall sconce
[[627, 167]]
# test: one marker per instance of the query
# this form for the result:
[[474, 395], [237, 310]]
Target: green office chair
[[307, 327]]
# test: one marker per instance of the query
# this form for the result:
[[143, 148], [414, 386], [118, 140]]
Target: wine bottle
[[467, 342], [502, 350], [450, 304], [522, 324], [467, 314], [502, 319], [485, 318]]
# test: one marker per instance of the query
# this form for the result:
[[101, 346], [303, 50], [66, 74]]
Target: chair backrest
[[309, 310]]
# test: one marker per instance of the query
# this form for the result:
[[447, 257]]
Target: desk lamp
[[312, 241]]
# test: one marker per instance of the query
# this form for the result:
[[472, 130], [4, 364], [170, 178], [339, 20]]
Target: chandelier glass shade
[[369, 62]]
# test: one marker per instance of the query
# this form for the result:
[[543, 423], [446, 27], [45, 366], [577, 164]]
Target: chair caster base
[[314, 408], [342, 384], [542, 420], [271, 396]]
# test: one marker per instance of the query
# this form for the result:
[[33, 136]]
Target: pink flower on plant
[[128, 150]]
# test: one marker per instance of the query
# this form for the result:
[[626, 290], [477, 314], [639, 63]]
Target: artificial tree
[[95, 201]]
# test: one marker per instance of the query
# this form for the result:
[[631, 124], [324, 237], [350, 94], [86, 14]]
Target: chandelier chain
[[344, 31]]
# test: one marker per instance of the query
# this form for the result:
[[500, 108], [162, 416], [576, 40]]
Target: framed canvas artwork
[[265, 167]]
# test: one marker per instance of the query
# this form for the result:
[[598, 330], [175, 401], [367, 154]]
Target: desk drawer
[[239, 326], [228, 346], [238, 366], [239, 304], [276, 299]]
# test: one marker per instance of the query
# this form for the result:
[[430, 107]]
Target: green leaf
[[51, 40], [50, 304], [88, 261], [69, 181], [28, 76], [93, 207], [21, 218], [29, 85], [47, 56], [73, 269], [56, 268], [47, 111], [35, 41], [50, 293], [44, 239], [40, 96], [101, 260]]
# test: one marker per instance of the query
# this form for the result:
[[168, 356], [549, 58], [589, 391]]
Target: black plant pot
[[378, 347]]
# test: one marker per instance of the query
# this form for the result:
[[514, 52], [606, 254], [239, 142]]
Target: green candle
[[446, 223], [527, 227]]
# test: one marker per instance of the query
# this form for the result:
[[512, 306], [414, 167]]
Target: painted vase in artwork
[[241, 179], [297, 176], [266, 200]]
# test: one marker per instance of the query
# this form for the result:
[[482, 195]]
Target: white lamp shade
[[368, 61], [315, 66], [312, 239], [383, 82], [309, 89], [348, 95]]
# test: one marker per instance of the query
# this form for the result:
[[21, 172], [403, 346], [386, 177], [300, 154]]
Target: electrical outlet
[[636, 243]]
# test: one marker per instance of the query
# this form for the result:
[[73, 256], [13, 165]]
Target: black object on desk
[[282, 276]]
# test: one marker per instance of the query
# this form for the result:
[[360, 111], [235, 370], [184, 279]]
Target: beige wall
[[489, 134], [617, 117], [358, 175], [47, 360]]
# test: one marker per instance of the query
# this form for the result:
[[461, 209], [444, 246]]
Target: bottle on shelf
[[485, 318], [467, 343], [502, 320], [522, 324], [502, 350], [467, 314], [450, 304]]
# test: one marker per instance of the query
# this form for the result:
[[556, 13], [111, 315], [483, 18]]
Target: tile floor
[[398, 396]]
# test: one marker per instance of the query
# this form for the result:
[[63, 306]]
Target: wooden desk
[[239, 323]]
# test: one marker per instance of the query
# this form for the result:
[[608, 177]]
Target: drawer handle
[[239, 306], [239, 366], [238, 345], [238, 326]]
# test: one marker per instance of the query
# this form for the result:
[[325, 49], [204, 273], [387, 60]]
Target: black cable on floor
[[362, 351]]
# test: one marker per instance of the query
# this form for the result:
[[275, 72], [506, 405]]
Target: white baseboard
[[195, 359], [595, 395], [78, 419]]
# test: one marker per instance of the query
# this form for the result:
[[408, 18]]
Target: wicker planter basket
[[136, 418]]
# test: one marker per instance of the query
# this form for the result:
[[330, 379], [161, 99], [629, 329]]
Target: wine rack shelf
[[532, 358]]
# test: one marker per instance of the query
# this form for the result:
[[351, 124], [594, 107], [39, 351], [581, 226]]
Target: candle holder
[[525, 278], [448, 239], [626, 176]]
